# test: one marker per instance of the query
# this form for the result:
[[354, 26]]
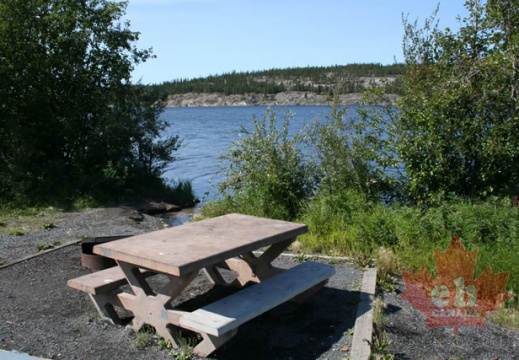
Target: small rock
[[136, 216]]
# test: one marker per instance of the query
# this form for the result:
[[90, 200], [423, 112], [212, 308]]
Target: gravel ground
[[41, 316], [411, 340], [73, 226]]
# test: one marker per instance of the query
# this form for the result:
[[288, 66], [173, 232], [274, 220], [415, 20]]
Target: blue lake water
[[208, 132]]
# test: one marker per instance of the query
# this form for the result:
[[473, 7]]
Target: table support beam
[[250, 268], [153, 308], [275, 250], [104, 303]]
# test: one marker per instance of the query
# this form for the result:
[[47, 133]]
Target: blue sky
[[196, 38]]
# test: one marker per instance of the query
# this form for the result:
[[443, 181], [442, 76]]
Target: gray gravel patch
[[73, 226], [410, 339]]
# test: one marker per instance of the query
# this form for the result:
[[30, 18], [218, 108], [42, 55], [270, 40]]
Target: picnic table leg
[[275, 250], [153, 308], [104, 303], [210, 343], [214, 275], [252, 268]]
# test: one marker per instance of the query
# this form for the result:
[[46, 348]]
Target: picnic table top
[[182, 249]]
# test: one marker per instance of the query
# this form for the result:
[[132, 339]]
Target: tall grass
[[347, 223]]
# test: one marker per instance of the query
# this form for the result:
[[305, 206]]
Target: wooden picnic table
[[180, 253]]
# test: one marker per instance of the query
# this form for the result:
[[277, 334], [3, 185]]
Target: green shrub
[[268, 174], [182, 192], [48, 246], [48, 226], [453, 128], [342, 154], [17, 232]]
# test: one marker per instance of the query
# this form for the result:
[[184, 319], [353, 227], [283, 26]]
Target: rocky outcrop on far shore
[[285, 98]]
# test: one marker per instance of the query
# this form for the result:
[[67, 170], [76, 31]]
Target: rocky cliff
[[285, 98]]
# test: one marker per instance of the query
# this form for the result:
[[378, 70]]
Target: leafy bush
[[454, 126], [181, 192], [267, 174], [342, 154], [72, 125]]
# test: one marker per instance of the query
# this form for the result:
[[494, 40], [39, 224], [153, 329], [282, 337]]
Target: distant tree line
[[341, 79]]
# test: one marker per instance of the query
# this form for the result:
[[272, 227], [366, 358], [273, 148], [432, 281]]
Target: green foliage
[[267, 173], [308, 79], [348, 224], [181, 192], [455, 125], [48, 246], [17, 232], [21, 220], [48, 226], [217, 207], [377, 127], [388, 265], [147, 335], [185, 348], [71, 124], [507, 315], [144, 336], [380, 341], [342, 154]]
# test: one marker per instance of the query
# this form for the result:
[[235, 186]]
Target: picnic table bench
[[180, 253]]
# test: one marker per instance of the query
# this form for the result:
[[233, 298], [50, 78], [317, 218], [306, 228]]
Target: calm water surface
[[208, 132]]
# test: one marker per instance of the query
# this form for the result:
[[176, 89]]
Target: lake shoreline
[[289, 98]]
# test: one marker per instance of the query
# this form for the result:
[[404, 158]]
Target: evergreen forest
[[340, 79]]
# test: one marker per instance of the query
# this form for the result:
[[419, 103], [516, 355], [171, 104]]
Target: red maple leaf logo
[[455, 298]]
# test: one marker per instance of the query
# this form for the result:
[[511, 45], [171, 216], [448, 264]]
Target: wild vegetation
[[400, 179], [72, 126], [456, 122], [341, 79]]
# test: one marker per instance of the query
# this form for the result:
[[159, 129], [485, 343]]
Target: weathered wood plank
[[101, 281], [182, 249], [363, 330], [227, 314]]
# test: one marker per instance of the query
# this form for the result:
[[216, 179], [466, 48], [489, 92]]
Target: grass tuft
[[48, 246], [17, 232], [380, 341]]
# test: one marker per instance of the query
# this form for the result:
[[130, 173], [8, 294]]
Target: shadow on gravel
[[392, 309], [295, 330]]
